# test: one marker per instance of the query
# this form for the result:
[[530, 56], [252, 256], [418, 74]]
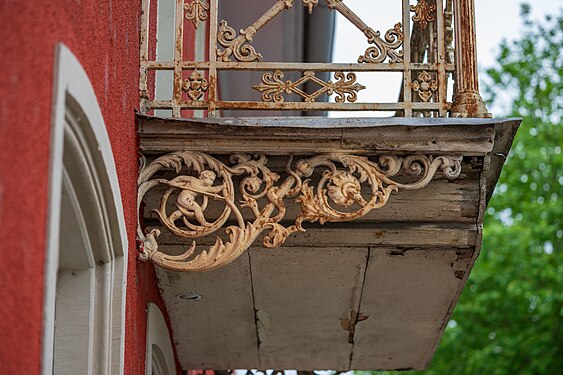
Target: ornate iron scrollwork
[[273, 86], [384, 48], [197, 11], [195, 86], [424, 13], [425, 86], [236, 44], [310, 4], [336, 197]]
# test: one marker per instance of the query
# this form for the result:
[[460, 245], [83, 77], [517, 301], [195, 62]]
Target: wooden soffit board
[[372, 293]]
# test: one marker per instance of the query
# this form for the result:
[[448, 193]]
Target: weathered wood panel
[[315, 123], [417, 235], [440, 201], [407, 297], [219, 331], [303, 298], [303, 295], [225, 138]]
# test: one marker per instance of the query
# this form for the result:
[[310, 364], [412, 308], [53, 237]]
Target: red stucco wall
[[104, 35]]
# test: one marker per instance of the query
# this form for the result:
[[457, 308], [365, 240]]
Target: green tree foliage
[[510, 316]]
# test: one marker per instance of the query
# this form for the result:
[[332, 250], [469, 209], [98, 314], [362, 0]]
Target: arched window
[[160, 355], [87, 244]]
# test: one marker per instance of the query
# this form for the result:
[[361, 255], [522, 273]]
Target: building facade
[[69, 93], [89, 86]]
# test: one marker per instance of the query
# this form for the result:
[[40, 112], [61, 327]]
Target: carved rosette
[[337, 197], [195, 86], [425, 86]]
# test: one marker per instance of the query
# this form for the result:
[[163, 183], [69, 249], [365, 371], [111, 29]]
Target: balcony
[[287, 239]]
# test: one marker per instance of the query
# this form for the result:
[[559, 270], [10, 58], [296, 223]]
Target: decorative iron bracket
[[337, 196]]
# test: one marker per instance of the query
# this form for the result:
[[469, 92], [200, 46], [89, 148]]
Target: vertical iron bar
[[212, 96], [178, 55], [442, 79], [144, 55], [407, 78]]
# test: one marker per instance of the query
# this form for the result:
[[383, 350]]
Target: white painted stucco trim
[[72, 82], [159, 336]]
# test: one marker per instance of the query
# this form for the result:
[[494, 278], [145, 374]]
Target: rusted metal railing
[[420, 46]]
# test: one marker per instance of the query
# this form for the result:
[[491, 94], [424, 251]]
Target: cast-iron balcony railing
[[420, 45], [222, 182]]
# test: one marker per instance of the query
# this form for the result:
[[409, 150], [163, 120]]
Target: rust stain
[[349, 324], [345, 324], [362, 317]]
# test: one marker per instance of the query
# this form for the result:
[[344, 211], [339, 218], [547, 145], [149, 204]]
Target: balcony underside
[[374, 293]]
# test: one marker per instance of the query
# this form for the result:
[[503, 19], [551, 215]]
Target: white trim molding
[[160, 354], [78, 128]]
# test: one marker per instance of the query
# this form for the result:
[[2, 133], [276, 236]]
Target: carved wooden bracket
[[337, 196]]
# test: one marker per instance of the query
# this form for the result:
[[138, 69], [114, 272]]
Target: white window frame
[[160, 354], [73, 93]]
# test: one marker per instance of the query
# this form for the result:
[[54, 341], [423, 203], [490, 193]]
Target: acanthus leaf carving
[[337, 197]]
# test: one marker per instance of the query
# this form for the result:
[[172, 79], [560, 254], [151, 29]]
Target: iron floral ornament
[[197, 11], [336, 197], [273, 86]]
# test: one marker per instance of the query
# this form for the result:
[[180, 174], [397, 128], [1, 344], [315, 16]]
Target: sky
[[496, 20]]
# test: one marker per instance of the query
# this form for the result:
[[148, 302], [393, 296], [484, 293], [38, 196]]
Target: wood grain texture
[[400, 235], [441, 201], [466, 137]]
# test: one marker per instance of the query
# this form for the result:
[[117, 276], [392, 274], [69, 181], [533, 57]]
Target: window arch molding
[[83, 177], [160, 354]]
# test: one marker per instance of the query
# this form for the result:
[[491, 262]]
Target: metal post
[[467, 100]]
